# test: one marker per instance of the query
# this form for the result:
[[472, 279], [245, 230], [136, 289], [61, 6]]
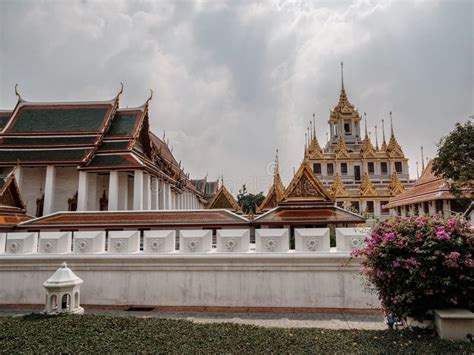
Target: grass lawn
[[90, 333]]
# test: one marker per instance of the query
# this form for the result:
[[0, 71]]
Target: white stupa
[[63, 292]]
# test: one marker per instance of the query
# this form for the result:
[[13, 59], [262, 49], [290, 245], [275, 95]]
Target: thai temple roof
[[92, 135], [12, 207], [428, 187]]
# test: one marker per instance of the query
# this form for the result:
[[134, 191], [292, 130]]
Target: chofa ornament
[[312, 244]]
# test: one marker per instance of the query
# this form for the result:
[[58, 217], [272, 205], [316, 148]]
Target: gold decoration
[[337, 188], [366, 187], [341, 149], [393, 149], [305, 185], [395, 187], [223, 199]]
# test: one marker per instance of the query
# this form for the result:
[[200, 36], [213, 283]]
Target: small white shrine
[[63, 292]]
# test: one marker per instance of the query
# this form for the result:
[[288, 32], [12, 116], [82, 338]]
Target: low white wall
[[199, 279]]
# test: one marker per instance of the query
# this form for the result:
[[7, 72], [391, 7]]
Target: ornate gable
[[367, 150], [306, 186], [9, 192], [223, 199], [341, 149], [337, 188], [366, 187], [395, 187], [393, 149]]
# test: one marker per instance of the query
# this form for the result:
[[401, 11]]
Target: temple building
[[361, 176], [91, 156], [430, 194]]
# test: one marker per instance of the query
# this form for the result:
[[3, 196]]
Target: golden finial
[[417, 171], [149, 98], [311, 129], [18, 94], [383, 131], [120, 91], [376, 139], [164, 135], [314, 125], [342, 76], [391, 124], [422, 161], [365, 119]]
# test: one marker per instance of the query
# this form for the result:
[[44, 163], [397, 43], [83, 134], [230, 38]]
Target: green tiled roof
[[48, 140], [122, 125], [109, 160], [4, 120], [114, 145], [41, 155], [59, 120]]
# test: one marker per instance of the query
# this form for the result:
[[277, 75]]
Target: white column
[[18, 177], [146, 193], [113, 190], [82, 191], [161, 195], [138, 190], [123, 192], [92, 195], [49, 185], [155, 189], [169, 204]]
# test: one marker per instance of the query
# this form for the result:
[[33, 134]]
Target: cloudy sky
[[236, 80]]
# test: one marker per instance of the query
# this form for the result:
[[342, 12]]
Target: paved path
[[280, 320]]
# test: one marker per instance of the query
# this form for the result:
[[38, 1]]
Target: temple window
[[426, 208], [344, 168], [104, 202], [335, 130], [39, 206], [385, 211], [355, 205], [347, 128], [383, 168], [370, 167], [398, 167], [317, 168], [399, 211], [330, 168], [439, 205], [415, 209], [370, 207], [340, 204]]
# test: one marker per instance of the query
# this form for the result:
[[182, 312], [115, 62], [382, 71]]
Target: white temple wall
[[32, 187], [65, 187]]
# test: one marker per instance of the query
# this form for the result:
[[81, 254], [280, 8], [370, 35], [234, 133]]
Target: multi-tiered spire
[[367, 148], [393, 148], [313, 149]]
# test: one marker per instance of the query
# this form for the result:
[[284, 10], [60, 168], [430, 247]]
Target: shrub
[[418, 264]]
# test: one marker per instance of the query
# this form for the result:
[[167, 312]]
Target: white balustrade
[[312, 240], [191, 241], [159, 241], [348, 239], [55, 242], [233, 240], [124, 242], [272, 240], [89, 242], [22, 243]]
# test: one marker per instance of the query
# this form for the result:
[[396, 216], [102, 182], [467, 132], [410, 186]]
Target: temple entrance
[[357, 172]]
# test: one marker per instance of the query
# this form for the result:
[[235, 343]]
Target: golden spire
[[314, 149], [337, 188], [395, 187], [422, 161], [342, 76], [376, 139], [365, 119], [393, 148], [417, 171], [384, 143], [366, 187], [314, 125], [367, 148]]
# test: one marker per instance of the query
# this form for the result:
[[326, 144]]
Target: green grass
[[91, 333]]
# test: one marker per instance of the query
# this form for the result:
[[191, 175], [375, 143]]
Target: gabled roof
[[308, 215], [142, 219], [428, 187], [305, 186], [223, 199], [10, 193], [4, 118]]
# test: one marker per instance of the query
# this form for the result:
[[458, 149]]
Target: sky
[[235, 80]]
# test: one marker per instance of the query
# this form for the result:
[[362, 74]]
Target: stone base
[[454, 324]]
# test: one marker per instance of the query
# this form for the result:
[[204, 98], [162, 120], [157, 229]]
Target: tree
[[249, 202], [455, 160]]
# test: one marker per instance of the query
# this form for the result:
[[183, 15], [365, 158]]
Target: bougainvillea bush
[[418, 264]]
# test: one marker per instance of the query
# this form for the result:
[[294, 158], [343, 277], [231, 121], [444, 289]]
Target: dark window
[[439, 205], [370, 167], [384, 211], [398, 167], [317, 168], [72, 203], [357, 172], [415, 208], [426, 207], [39, 206], [340, 204], [370, 206], [399, 211], [347, 128], [344, 168], [355, 206], [103, 202], [330, 169], [383, 168]]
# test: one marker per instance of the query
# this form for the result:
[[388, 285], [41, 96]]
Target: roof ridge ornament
[[20, 99], [149, 98]]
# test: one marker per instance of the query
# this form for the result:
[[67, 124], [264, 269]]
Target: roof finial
[[305, 141], [276, 169], [417, 171], [311, 130], [422, 161], [391, 124], [151, 96], [120, 91], [164, 135], [365, 118], [17, 93], [376, 139], [342, 76], [314, 125], [383, 131]]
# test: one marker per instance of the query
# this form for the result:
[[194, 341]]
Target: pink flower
[[418, 250], [389, 237], [452, 223], [429, 292], [411, 261], [395, 263], [441, 233]]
